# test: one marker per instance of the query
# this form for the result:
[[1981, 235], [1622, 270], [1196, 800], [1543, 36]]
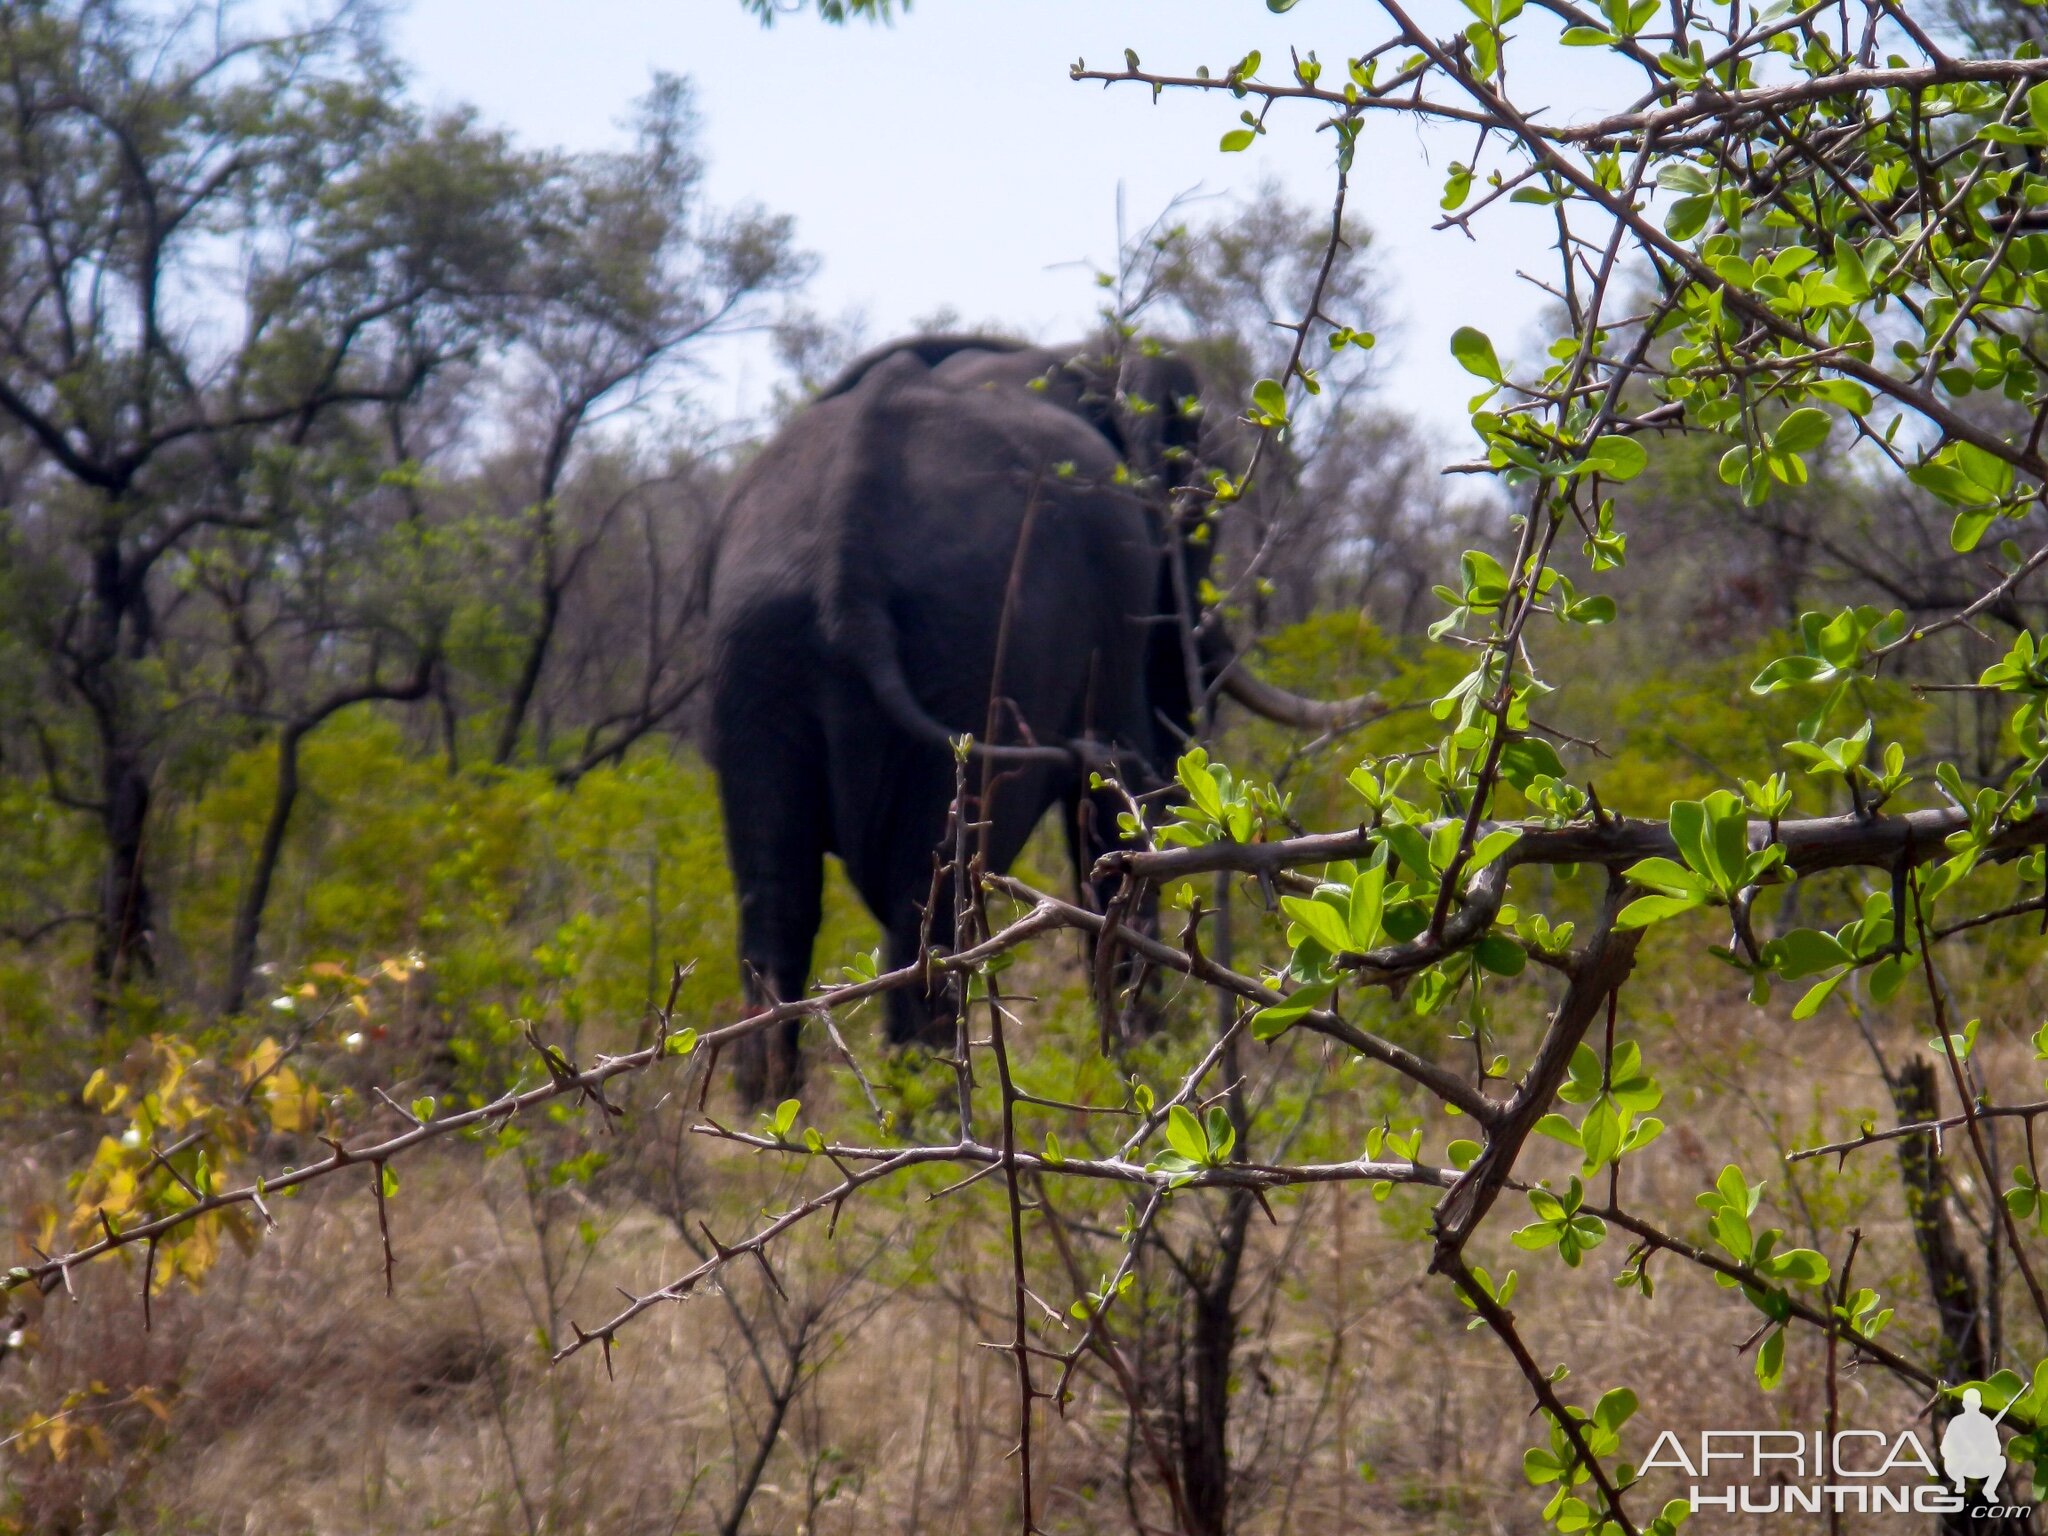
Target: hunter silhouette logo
[[1848, 1471], [1970, 1448]]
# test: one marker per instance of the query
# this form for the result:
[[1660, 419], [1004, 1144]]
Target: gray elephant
[[960, 536]]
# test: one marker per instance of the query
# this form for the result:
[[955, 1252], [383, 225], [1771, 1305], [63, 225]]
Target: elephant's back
[[1001, 530], [957, 478], [898, 508]]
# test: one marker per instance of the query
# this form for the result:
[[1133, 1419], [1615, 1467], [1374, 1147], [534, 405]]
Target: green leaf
[[1600, 1135], [1320, 921], [1528, 758], [1688, 823], [1770, 1360], [1789, 671], [1617, 457], [1967, 531], [1277, 1018], [1802, 431], [1583, 1085], [1642, 1133], [1615, 1409], [1457, 187], [785, 1116], [1846, 393], [1804, 952], [1486, 580], [1687, 217], [1645, 910], [1270, 398], [1802, 1266], [1735, 272], [1475, 355], [1237, 140], [1736, 1191], [1850, 273], [1887, 976], [1206, 794], [1666, 876], [1500, 955], [1985, 468], [2037, 106], [1809, 1005], [1492, 846], [1185, 1135], [1222, 1134], [1368, 905], [1683, 176], [1410, 847]]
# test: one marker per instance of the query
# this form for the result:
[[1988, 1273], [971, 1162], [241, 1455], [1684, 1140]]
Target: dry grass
[[299, 1399]]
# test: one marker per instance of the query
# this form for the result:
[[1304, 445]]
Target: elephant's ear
[[1160, 411]]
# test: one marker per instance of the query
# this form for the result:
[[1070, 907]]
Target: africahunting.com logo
[[1852, 1471]]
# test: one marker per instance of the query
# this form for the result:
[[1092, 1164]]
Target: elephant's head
[[1150, 404]]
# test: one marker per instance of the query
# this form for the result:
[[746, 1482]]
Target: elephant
[[960, 536]]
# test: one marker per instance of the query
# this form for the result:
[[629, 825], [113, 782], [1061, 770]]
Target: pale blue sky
[[948, 160]]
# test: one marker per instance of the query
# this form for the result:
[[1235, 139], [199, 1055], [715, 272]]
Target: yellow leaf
[[103, 1093], [261, 1059], [284, 1095], [119, 1195], [44, 1216]]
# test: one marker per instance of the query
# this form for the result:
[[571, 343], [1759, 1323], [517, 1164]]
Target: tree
[[208, 259], [1352, 512], [253, 307], [628, 270]]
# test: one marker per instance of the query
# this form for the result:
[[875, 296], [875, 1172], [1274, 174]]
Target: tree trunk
[[1952, 1281], [1205, 1424], [124, 942], [528, 683], [117, 631], [256, 892], [1205, 1429]]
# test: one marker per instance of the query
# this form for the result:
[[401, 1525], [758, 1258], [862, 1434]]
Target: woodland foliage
[[1662, 964]]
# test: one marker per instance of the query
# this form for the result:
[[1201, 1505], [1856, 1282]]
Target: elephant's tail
[[929, 350], [871, 646]]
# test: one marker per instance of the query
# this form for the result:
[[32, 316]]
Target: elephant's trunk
[[1277, 704]]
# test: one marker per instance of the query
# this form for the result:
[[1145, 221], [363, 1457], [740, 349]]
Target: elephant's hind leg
[[772, 785]]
